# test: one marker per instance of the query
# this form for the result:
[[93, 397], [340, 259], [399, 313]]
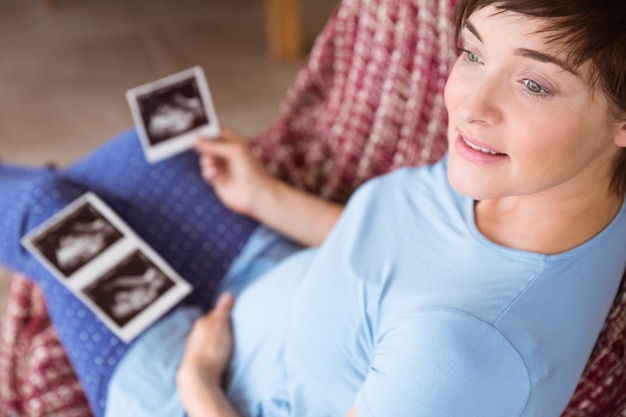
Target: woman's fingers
[[224, 304], [222, 154], [209, 167], [237, 177], [210, 343], [222, 145]]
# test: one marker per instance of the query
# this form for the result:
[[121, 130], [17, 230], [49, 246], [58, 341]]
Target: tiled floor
[[64, 70]]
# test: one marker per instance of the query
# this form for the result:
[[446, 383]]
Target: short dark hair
[[589, 31]]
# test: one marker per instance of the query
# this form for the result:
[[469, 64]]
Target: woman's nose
[[482, 102]]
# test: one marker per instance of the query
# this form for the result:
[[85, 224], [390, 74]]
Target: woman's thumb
[[225, 303]]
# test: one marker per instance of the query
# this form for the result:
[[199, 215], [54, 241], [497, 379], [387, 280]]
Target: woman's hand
[[208, 352], [210, 345], [238, 178], [245, 187]]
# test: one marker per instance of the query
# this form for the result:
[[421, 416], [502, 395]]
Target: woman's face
[[521, 121]]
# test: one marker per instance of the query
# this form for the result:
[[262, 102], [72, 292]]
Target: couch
[[368, 100]]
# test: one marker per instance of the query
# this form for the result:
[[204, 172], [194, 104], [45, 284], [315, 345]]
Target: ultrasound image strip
[[98, 257]]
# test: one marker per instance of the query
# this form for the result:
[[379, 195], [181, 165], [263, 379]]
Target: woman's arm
[[202, 398], [245, 187], [206, 357]]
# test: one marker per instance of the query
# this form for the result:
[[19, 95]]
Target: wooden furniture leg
[[284, 28]]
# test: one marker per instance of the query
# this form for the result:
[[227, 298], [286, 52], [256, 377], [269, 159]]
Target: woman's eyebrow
[[542, 57], [472, 29], [529, 53]]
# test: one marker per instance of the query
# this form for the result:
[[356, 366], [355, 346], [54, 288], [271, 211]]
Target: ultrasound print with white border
[[78, 235], [111, 269], [129, 288], [171, 112]]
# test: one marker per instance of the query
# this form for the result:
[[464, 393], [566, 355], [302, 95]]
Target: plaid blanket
[[36, 378]]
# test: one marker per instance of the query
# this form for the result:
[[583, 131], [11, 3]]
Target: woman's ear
[[620, 135]]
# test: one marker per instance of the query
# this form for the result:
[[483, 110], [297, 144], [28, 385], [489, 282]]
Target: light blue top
[[408, 310]]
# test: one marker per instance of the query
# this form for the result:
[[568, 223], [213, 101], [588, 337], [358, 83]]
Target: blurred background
[[65, 66]]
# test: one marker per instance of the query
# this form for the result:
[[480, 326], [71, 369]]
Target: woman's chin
[[470, 187]]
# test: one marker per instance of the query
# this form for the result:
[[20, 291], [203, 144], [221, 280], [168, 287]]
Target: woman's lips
[[477, 152], [479, 148]]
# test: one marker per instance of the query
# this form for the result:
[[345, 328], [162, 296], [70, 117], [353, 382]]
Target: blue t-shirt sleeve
[[443, 363]]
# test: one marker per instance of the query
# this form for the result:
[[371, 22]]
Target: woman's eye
[[468, 56], [535, 87], [472, 57]]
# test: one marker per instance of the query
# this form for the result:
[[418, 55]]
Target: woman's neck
[[549, 226]]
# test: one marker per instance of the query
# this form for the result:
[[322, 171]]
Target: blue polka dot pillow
[[167, 204]]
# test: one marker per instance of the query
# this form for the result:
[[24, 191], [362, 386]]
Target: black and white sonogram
[[98, 257], [76, 239], [169, 113], [129, 288], [172, 110]]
